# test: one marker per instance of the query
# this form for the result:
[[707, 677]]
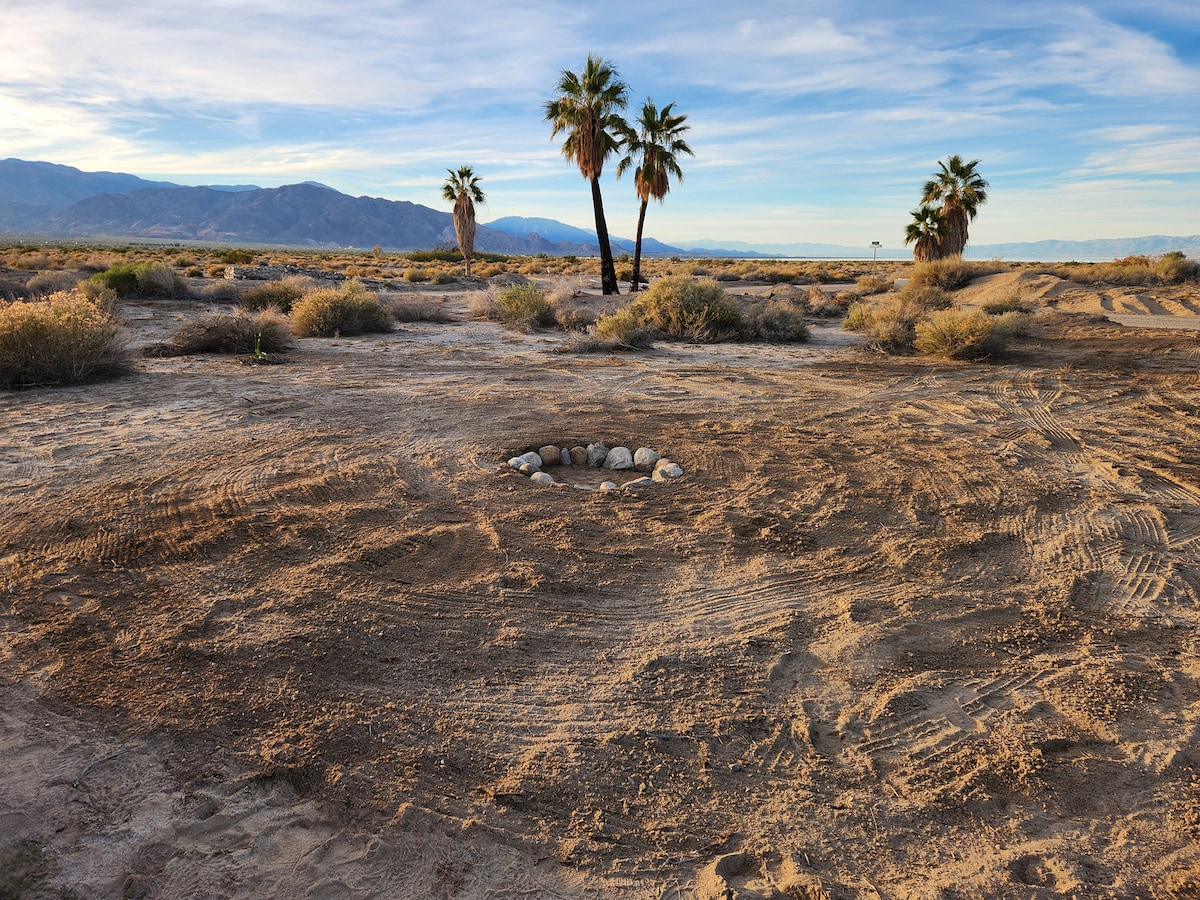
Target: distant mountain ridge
[[50, 200]]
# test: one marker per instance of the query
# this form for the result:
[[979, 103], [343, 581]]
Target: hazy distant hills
[[44, 199], [40, 199]]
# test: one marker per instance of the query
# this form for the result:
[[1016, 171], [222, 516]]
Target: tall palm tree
[[463, 190], [588, 109], [657, 140], [927, 230], [961, 191]]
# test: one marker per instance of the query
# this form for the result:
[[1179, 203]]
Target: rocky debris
[[596, 456], [276, 273], [530, 458]]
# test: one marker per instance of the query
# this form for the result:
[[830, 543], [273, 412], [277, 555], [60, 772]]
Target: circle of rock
[[649, 467]]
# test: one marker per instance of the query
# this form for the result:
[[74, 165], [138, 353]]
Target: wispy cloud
[[805, 117]]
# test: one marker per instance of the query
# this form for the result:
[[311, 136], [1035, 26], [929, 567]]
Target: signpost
[[875, 245]]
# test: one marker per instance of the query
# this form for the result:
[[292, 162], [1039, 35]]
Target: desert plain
[[906, 628]]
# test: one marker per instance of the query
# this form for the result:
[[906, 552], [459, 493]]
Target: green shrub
[[524, 306], [230, 331], [1011, 302], [351, 310], [957, 334], [684, 308], [142, 279], [278, 294], [1174, 267], [64, 339]]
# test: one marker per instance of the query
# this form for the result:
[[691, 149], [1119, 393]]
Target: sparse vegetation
[[951, 274], [680, 307], [140, 279], [352, 309], [959, 334], [235, 331], [272, 294], [65, 339], [524, 307]]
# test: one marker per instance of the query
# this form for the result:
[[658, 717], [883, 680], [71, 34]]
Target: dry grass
[[65, 339], [236, 331], [352, 309]]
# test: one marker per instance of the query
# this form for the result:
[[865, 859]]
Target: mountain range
[[41, 199]]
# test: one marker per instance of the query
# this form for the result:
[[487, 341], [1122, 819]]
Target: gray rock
[[579, 456], [667, 472], [531, 458], [644, 481], [564, 457], [608, 486], [542, 478], [550, 455], [596, 454], [528, 469], [619, 458], [644, 459]]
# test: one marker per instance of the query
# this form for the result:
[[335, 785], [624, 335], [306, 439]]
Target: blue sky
[[810, 121]]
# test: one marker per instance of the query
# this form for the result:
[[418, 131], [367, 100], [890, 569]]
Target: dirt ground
[[905, 629]]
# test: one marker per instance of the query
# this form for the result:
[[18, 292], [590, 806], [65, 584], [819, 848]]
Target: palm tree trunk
[[635, 284], [608, 271]]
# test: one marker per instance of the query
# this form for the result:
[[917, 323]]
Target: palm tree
[[657, 141], [961, 191], [927, 230], [462, 189], [588, 108]]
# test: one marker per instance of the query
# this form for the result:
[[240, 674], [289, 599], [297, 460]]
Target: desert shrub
[[416, 276], [889, 327], [221, 292], [958, 334], [65, 339], [45, 283], [524, 307], [688, 309], [406, 308], [776, 322], [865, 285], [924, 297], [236, 256], [352, 309], [574, 318], [142, 279], [623, 330], [445, 278], [1011, 302], [278, 294], [1174, 267], [230, 331], [951, 274]]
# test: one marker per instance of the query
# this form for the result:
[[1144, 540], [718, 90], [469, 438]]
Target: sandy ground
[[906, 629]]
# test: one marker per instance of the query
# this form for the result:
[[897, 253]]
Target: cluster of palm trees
[[588, 108], [949, 202]]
